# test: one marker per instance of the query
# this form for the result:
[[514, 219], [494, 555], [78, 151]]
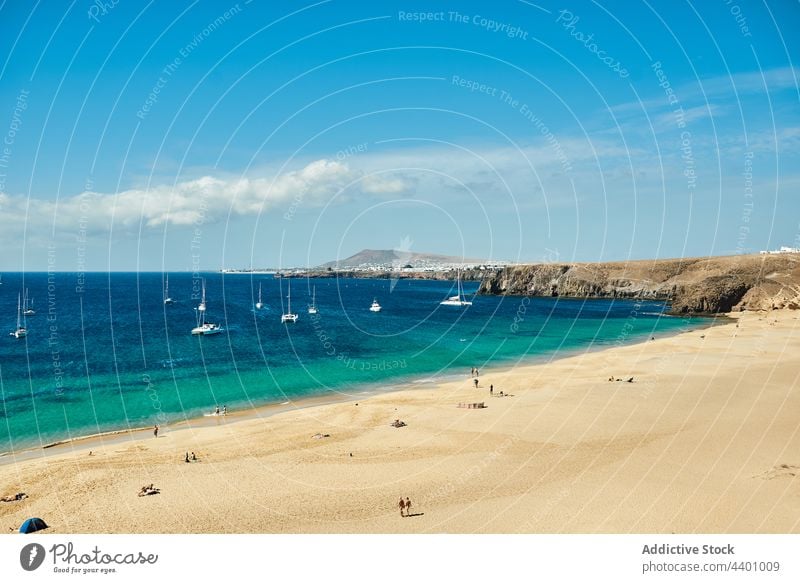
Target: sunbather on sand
[[15, 498]]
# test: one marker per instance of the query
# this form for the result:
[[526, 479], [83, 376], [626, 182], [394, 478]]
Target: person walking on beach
[[476, 383], [408, 506], [155, 431], [402, 505], [491, 390]]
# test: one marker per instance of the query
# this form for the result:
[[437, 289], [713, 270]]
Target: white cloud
[[768, 80], [719, 87], [689, 115], [204, 200]]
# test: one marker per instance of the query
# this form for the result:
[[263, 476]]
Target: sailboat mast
[[19, 312]]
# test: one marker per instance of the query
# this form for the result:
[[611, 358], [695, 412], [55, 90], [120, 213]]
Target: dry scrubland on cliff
[[692, 285]]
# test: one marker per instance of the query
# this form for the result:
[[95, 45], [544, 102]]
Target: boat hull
[[206, 330]]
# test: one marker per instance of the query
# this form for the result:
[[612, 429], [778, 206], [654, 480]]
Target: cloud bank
[[206, 199]]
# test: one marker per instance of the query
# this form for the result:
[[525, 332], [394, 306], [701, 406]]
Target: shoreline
[[703, 440], [371, 389]]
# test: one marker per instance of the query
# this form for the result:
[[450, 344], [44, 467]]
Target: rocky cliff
[[693, 286]]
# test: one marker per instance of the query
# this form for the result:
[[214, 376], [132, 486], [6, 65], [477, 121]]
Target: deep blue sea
[[105, 353]]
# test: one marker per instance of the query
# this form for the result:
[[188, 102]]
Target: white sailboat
[[259, 303], [21, 331], [312, 309], [27, 305], [289, 316], [167, 300], [459, 299], [204, 328], [375, 307], [202, 306]]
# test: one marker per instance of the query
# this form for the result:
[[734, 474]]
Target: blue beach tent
[[32, 525]]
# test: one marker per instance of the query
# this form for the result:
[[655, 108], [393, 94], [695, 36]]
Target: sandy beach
[[705, 439]]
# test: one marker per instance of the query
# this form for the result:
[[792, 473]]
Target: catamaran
[[21, 331], [312, 309], [167, 300], [457, 300], [289, 316], [259, 303], [204, 328], [375, 307], [27, 307]]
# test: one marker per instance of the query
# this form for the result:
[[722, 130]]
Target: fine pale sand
[[706, 439]]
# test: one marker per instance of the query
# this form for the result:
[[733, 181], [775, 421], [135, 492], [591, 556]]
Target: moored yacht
[[312, 308], [27, 305], [21, 331], [289, 316], [259, 303], [167, 300], [458, 299], [204, 328]]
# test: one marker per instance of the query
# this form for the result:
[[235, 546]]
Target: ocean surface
[[103, 352]]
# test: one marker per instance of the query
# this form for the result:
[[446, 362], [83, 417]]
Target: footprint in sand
[[780, 471]]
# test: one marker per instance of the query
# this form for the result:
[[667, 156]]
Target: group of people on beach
[[405, 506], [192, 459]]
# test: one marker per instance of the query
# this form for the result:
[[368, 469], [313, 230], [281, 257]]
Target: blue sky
[[171, 135]]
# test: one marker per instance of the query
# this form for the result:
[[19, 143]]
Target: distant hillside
[[395, 258], [692, 285]]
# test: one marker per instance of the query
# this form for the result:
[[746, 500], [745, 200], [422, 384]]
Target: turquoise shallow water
[[106, 353]]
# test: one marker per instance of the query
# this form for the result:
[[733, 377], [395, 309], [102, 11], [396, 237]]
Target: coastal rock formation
[[693, 285]]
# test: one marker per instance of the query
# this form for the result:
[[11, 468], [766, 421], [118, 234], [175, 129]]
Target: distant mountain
[[395, 258]]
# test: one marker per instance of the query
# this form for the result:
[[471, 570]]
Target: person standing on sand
[[408, 506], [491, 390], [476, 383], [155, 431], [402, 505]]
